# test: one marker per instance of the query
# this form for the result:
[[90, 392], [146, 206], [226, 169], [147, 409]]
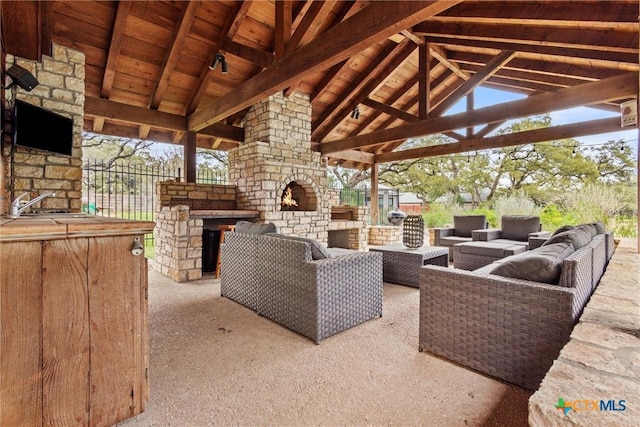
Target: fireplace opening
[[296, 197]]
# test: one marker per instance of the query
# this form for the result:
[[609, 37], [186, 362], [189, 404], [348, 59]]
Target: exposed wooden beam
[[439, 53], [143, 131], [618, 87], [26, 28], [190, 157], [628, 27], [419, 40], [221, 130], [283, 27], [387, 109], [488, 70], [347, 38], [355, 156], [231, 26], [488, 129], [500, 141], [45, 12], [117, 37], [305, 23], [98, 124], [424, 79], [324, 84], [255, 56], [185, 20], [130, 114], [587, 38], [392, 56]]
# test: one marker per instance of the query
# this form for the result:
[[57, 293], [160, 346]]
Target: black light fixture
[[21, 77], [219, 59], [355, 114]]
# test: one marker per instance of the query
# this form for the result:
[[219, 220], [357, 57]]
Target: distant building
[[411, 204]]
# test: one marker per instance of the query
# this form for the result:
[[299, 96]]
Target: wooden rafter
[[393, 55], [618, 87], [500, 141], [478, 78], [255, 56], [439, 53], [283, 27], [114, 47], [305, 23], [230, 29], [340, 42], [185, 20], [387, 109]]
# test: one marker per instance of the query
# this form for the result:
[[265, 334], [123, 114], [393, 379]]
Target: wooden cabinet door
[[117, 314], [20, 334], [65, 333]]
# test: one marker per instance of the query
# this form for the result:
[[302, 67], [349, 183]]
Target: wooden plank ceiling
[[401, 64]]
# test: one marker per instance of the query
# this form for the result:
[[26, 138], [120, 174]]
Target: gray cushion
[[539, 265], [562, 229], [496, 250], [318, 251], [518, 227], [247, 227], [452, 240], [600, 228], [463, 224], [578, 236]]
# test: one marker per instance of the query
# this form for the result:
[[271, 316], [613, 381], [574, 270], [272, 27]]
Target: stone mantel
[[223, 213]]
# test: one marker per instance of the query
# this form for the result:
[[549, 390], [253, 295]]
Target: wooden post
[[470, 108], [190, 157], [424, 79], [375, 213]]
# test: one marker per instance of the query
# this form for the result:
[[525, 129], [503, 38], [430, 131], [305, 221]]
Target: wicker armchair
[[316, 298], [463, 225]]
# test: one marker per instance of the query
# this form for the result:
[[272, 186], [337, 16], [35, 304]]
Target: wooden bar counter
[[73, 320]]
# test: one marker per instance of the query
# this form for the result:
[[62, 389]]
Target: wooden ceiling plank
[[586, 38], [334, 114], [581, 95], [628, 27], [339, 43], [482, 75], [325, 83], [183, 25], [117, 37], [572, 130], [230, 29], [384, 108]]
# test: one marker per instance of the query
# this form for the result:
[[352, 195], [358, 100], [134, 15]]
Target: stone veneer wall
[[277, 150], [61, 90], [196, 196], [178, 240], [385, 235], [356, 227]]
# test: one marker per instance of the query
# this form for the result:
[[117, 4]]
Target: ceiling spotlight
[[355, 114], [219, 59], [21, 77]]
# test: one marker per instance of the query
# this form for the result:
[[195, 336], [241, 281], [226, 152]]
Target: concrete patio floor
[[215, 362]]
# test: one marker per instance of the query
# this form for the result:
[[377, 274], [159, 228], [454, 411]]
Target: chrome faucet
[[18, 205]]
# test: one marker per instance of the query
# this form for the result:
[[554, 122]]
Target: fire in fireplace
[[296, 198]]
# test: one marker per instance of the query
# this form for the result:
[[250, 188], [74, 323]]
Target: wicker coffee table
[[402, 265]]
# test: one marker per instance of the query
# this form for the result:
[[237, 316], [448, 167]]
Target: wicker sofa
[[278, 277], [510, 327]]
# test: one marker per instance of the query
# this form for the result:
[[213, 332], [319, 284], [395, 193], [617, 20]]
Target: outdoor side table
[[402, 265]]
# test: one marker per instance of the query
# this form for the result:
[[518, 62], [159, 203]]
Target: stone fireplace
[[296, 197]]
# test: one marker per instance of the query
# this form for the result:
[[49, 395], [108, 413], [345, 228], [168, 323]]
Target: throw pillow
[[562, 229], [518, 227], [578, 236], [600, 228], [539, 265], [464, 224], [318, 251], [247, 227]]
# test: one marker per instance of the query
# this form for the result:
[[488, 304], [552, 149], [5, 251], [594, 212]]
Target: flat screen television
[[38, 128]]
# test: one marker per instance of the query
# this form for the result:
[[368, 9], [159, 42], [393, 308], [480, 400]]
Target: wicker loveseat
[[278, 277], [463, 225], [509, 327]]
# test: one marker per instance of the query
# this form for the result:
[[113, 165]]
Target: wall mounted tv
[[42, 129]]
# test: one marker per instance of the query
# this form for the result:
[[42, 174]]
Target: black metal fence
[[128, 191]]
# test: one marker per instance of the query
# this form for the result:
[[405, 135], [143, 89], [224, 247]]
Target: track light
[[355, 114], [219, 59]]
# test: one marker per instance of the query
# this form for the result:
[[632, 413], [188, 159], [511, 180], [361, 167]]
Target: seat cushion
[[496, 250], [518, 227], [463, 224], [318, 250], [539, 265], [452, 240], [247, 227]]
